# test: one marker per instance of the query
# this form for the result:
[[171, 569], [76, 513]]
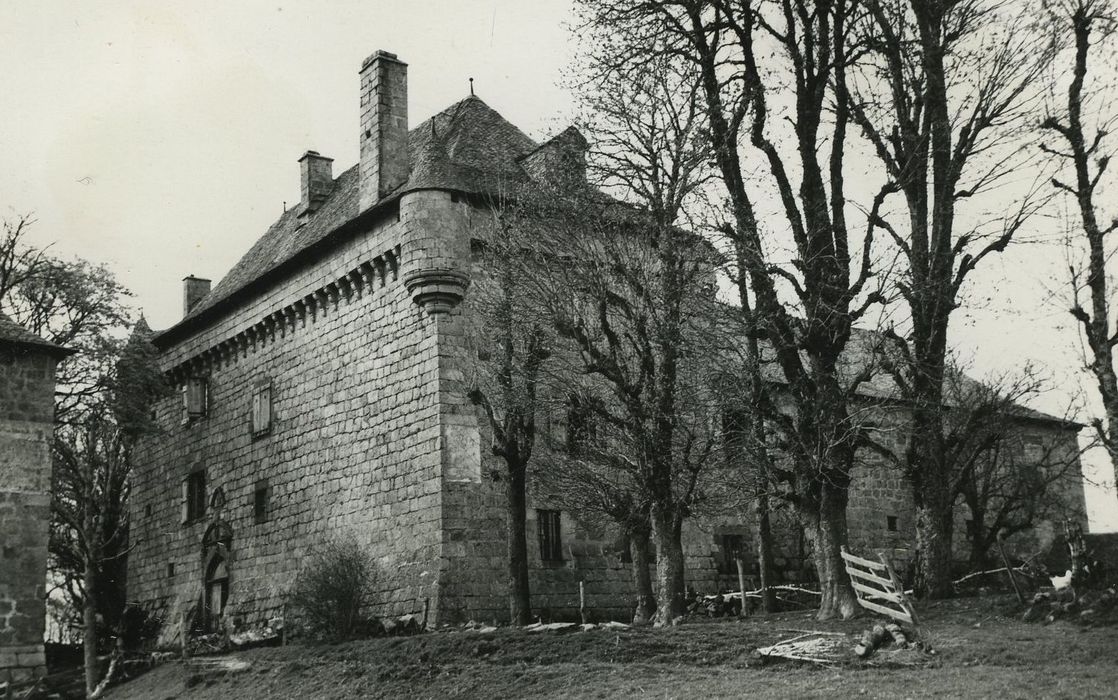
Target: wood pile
[[879, 636], [1088, 607]]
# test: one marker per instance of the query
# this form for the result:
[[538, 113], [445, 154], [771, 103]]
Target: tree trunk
[[977, 535], [642, 579], [764, 554], [89, 629], [933, 542], [670, 601], [520, 605], [825, 528]]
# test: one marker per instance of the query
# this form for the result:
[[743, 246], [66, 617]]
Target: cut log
[[898, 634], [870, 641]]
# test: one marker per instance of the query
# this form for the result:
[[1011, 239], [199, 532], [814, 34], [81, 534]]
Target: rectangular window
[[195, 395], [1034, 450], [551, 541], [582, 428], [194, 496], [260, 498], [733, 548], [170, 570], [262, 408], [891, 523]]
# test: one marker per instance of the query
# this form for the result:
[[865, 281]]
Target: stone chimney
[[193, 289], [317, 180], [384, 126]]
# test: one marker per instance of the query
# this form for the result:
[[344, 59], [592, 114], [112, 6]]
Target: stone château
[[320, 390]]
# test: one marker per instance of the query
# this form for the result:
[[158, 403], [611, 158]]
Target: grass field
[[981, 650]]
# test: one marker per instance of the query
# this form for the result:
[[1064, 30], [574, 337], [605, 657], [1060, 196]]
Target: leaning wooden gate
[[878, 587]]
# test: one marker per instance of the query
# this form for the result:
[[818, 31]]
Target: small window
[[733, 548], [260, 498], [217, 499], [195, 396], [891, 523], [582, 430], [170, 570], [551, 541], [194, 496], [147, 510], [262, 408], [1034, 450]]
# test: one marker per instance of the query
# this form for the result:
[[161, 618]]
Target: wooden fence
[[878, 587]]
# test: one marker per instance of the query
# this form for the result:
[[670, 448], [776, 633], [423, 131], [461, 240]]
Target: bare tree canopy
[[773, 85], [943, 91], [1080, 127]]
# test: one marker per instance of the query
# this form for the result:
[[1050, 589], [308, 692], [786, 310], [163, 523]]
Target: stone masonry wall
[[26, 421], [354, 449], [373, 436]]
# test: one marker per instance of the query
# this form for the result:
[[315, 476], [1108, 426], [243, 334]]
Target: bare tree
[[90, 486], [1083, 146], [90, 482], [750, 55], [639, 279], [75, 304], [623, 296], [102, 401], [943, 91], [512, 344]]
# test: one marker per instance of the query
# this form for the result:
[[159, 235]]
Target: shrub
[[333, 587]]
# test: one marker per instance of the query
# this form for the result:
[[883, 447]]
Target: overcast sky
[[162, 139]]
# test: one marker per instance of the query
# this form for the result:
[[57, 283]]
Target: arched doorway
[[216, 592], [216, 546]]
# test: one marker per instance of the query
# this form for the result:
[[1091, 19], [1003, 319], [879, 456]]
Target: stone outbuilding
[[27, 366]]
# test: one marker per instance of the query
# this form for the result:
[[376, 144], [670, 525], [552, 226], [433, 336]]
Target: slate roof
[[11, 333], [864, 348], [468, 147]]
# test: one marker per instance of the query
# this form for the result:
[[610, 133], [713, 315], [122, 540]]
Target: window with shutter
[[194, 397], [262, 408], [194, 496], [184, 499]]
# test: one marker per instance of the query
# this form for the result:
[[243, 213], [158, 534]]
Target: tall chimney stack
[[384, 126], [193, 289], [317, 180]]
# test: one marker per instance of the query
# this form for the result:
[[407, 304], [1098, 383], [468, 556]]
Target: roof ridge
[[15, 334]]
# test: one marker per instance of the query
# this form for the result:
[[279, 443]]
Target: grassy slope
[[980, 654]]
